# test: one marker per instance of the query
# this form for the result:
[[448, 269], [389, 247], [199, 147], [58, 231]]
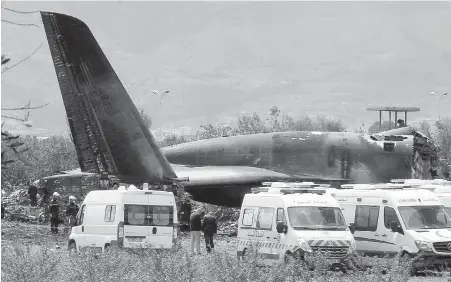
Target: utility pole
[[438, 100]]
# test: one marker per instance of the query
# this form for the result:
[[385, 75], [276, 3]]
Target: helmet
[[56, 194], [71, 198]]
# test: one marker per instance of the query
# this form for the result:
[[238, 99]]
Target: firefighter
[[54, 208], [210, 228], [72, 211]]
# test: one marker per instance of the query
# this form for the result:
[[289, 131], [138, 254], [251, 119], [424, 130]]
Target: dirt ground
[[40, 234]]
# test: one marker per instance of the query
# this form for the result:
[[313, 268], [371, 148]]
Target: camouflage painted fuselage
[[339, 155]]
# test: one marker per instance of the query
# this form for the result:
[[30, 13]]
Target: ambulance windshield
[[316, 218], [143, 215], [425, 217]]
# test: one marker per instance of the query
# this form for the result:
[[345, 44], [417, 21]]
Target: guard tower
[[395, 110]]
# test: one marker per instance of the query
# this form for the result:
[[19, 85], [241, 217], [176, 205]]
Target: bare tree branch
[[19, 119], [21, 61], [19, 12], [27, 107], [21, 24]]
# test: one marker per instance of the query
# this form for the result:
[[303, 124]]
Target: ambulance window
[[110, 213], [280, 216], [248, 217], [366, 218], [82, 215], [389, 216], [442, 217], [265, 218]]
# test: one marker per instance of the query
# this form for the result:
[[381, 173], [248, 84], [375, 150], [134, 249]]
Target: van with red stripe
[[293, 220], [127, 218]]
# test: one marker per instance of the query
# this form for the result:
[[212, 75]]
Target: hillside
[[223, 59]]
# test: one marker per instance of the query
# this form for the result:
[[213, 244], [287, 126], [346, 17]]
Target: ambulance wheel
[[72, 247]]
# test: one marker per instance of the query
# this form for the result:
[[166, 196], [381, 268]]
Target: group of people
[[54, 211], [208, 225]]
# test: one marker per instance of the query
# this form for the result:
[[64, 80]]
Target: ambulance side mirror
[[395, 227], [281, 227], [352, 228]]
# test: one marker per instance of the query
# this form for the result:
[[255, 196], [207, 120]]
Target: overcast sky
[[222, 59]]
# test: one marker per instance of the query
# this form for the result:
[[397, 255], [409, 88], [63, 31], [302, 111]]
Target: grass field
[[31, 253]]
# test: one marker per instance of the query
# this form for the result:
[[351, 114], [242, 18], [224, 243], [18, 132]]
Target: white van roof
[[422, 181], [400, 197], [100, 196], [291, 196]]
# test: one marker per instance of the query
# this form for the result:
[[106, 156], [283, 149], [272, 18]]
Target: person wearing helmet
[[54, 208], [72, 211]]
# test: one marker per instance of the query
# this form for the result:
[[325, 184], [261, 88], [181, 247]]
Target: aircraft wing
[[210, 176]]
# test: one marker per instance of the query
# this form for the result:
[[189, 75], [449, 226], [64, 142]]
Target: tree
[[146, 118], [41, 158], [375, 128], [10, 144], [172, 139]]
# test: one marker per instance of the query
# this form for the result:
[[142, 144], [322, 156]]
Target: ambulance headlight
[[304, 245], [424, 246]]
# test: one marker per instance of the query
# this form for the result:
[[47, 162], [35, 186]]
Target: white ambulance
[[128, 218], [392, 218], [290, 220], [440, 187]]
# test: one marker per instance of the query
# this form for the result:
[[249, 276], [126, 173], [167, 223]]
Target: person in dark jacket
[[210, 228], [195, 227], [186, 209], [72, 210], [32, 193], [54, 209]]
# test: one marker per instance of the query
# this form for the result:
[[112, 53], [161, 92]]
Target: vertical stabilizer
[[107, 129]]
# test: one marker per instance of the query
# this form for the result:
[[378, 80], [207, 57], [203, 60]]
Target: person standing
[[54, 209], [195, 227], [210, 228], [32, 193], [72, 211]]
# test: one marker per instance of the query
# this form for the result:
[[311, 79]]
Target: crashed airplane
[[109, 136]]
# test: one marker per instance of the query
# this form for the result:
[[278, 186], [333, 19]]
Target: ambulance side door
[[367, 233], [265, 233], [247, 228], [282, 238], [392, 240]]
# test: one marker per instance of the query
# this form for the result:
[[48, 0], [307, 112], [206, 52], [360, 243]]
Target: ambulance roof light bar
[[302, 191], [290, 184], [288, 190]]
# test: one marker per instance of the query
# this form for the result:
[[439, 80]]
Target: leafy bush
[[43, 158]]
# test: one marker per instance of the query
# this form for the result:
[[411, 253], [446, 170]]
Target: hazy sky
[[222, 59]]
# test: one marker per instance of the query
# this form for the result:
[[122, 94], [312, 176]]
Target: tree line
[[43, 157]]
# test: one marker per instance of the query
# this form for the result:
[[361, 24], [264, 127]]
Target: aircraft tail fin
[[107, 129]]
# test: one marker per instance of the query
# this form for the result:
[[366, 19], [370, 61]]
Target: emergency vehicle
[[391, 218], [293, 220], [128, 218], [440, 187]]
